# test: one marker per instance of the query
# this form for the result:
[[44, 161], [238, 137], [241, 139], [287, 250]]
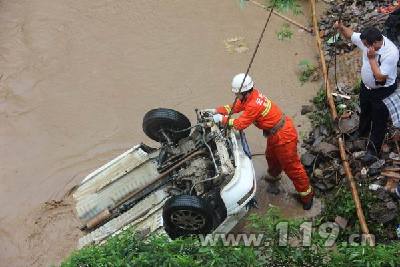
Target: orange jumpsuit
[[281, 151]]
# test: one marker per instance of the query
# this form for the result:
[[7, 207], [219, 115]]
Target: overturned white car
[[200, 180]]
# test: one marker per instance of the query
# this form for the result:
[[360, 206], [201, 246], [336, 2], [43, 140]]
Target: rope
[[335, 49], [248, 68], [336, 39]]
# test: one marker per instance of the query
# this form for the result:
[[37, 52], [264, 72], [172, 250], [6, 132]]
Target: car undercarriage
[[191, 169]]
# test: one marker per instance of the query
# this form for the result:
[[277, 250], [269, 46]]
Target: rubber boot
[[307, 201]]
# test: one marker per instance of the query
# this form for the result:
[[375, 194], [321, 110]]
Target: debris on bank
[[356, 14], [322, 159]]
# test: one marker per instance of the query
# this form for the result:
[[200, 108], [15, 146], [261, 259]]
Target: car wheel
[[185, 215], [169, 121]]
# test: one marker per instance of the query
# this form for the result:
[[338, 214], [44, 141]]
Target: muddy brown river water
[[76, 78]]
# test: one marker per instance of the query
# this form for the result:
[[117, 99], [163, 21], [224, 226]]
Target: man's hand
[[371, 53], [345, 31], [338, 25], [374, 65], [209, 110], [217, 118]]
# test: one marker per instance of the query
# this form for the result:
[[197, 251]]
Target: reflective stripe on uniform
[[303, 194], [267, 105], [228, 108], [230, 122]]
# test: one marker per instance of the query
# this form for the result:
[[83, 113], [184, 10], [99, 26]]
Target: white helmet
[[237, 82]]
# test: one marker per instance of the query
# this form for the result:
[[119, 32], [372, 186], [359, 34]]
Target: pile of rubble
[[323, 164], [356, 14], [376, 181]]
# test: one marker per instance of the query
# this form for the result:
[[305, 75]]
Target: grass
[[280, 5], [307, 69], [286, 6], [128, 249], [321, 116], [379, 256], [285, 33], [291, 255], [357, 87], [342, 204]]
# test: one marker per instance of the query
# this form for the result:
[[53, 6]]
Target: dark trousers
[[374, 110]]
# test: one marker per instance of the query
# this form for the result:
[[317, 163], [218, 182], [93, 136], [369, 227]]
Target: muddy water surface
[[77, 77]]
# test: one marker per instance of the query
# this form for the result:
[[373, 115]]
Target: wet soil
[[77, 77]]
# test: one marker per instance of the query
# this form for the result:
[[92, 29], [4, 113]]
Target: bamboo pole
[[354, 192], [342, 149], [331, 102], [283, 17]]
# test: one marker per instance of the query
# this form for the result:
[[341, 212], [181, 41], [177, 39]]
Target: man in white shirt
[[378, 81]]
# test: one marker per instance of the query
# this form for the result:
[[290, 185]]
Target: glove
[[210, 110], [217, 118]]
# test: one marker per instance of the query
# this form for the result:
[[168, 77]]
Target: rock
[[143, 233], [356, 12], [383, 195], [328, 58], [374, 172], [325, 148], [329, 186], [369, 5], [349, 146], [342, 222], [394, 156], [377, 164], [318, 173], [341, 171], [359, 145], [349, 124], [364, 173], [321, 186], [309, 141], [307, 159], [337, 164], [391, 205], [323, 130], [306, 109], [306, 146], [343, 87], [367, 16], [386, 217], [317, 141], [385, 148], [368, 159], [359, 154], [374, 187], [316, 132]]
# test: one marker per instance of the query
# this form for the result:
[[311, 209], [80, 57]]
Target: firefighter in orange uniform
[[281, 151]]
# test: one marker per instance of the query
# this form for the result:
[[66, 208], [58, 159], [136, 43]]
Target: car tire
[[185, 215], [171, 121]]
